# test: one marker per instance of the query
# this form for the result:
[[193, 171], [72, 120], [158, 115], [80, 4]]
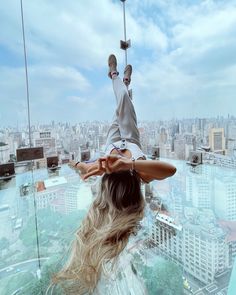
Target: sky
[[182, 53]]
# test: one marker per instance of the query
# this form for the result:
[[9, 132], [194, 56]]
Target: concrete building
[[199, 245], [44, 198], [163, 236], [50, 190], [217, 140], [225, 197], [200, 187], [229, 228], [179, 148], [45, 140], [71, 199], [163, 136], [4, 152], [165, 150]]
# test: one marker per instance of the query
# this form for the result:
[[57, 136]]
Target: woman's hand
[[82, 167], [95, 169], [116, 163], [109, 164]]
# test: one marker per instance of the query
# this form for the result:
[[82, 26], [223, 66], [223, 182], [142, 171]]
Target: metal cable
[[124, 18], [26, 72], [29, 124]]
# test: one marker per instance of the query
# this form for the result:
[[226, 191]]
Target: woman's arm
[[150, 170], [85, 168], [147, 169]]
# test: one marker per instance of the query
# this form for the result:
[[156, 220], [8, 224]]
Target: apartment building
[[198, 244]]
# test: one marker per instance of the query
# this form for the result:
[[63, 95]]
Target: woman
[[123, 150], [119, 206]]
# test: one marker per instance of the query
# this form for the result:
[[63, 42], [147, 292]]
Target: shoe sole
[[127, 73], [112, 61]]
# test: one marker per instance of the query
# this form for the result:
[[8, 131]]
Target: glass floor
[[186, 243]]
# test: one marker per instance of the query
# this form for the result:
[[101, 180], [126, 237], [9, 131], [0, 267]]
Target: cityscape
[[175, 139], [189, 228]]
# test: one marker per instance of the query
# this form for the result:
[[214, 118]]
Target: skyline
[[21, 125], [182, 55], [140, 122]]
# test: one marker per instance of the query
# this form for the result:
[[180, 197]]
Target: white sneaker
[[112, 64], [127, 75]]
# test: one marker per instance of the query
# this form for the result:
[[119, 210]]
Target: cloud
[[195, 76], [183, 55], [78, 101], [48, 87]]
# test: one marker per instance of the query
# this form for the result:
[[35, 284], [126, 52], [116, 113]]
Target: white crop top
[[135, 150]]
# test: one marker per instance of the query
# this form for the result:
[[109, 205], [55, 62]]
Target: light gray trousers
[[124, 125]]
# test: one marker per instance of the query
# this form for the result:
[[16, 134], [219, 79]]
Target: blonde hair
[[104, 233]]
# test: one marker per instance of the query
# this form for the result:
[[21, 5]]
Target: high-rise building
[[230, 228], [200, 188], [44, 198], [179, 148], [204, 250], [71, 199], [231, 141], [217, 140], [225, 197], [199, 245], [232, 131], [48, 142], [163, 135], [4, 152]]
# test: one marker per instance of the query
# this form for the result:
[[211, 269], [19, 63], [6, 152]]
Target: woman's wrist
[[128, 164], [131, 164]]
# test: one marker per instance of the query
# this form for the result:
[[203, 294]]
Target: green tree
[[50, 223], [38, 287], [27, 234], [4, 244], [164, 278]]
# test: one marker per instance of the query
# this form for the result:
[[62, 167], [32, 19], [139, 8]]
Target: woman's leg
[[124, 124], [113, 134], [125, 112]]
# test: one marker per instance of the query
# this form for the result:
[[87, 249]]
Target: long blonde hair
[[104, 233]]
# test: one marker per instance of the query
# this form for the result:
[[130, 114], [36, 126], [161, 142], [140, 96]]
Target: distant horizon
[[230, 117]]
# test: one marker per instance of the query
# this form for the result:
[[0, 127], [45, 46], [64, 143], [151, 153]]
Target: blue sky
[[183, 56]]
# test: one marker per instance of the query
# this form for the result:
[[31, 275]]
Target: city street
[[24, 266]]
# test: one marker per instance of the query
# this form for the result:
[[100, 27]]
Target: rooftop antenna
[[125, 44]]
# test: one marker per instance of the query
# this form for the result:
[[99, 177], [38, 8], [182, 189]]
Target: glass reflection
[[188, 231]]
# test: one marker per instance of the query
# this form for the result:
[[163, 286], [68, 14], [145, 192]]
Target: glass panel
[[195, 227], [232, 285], [18, 247]]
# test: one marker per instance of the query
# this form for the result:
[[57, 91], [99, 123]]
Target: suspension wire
[[124, 19], [29, 124], [26, 72], [36, 225]]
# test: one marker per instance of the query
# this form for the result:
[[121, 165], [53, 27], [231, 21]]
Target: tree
[[37, 286], [49, 222], [27, 234], [51, 226], [164, 278], [4, 244]]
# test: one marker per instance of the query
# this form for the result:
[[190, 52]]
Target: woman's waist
[[125, 148]]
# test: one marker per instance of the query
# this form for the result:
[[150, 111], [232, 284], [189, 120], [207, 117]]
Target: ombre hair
[[113, 216]]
